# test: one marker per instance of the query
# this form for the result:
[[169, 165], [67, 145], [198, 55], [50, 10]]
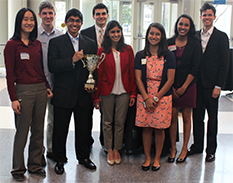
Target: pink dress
[[160, 117]]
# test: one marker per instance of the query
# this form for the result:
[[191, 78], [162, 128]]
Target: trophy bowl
[[92, 62]]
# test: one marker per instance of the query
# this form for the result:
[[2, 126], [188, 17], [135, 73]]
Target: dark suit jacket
[[215, 60], [90, 32], [189, 62], [69, 78]]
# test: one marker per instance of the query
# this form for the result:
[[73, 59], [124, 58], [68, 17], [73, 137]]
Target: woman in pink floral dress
[[154, 73]]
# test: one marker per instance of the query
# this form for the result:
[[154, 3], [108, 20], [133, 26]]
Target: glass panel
[[60, 7], [113, 9], [165, 20], [126, 22], [223, 18], [2, 64], [148, 16], [86, 9]]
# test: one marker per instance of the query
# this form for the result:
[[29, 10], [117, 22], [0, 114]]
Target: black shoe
[[210, 157], [105, 150], [145, 168], [171, 160], [192, 151], [40, 172], [91, 141], [18, 177], [155, 168], [49, 155], [43, 162], [178, 160], [88, 164], [59, 168]]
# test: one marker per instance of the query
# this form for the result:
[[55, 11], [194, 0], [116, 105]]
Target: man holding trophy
[[66, 62]]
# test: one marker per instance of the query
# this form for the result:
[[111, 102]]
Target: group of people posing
[[184, 72]]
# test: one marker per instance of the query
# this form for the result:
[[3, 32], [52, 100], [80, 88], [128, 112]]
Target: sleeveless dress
[[160, 117]]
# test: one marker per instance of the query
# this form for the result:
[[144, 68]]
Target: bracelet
[[146, 99]]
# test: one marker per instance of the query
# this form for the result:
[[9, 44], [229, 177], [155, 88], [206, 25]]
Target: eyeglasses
[[71, 20], [98, 14]]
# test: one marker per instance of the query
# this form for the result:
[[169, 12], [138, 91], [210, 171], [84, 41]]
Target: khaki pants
[[33, 104], [121, 103]]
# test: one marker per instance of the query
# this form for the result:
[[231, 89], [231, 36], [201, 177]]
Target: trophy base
[[90, 85]]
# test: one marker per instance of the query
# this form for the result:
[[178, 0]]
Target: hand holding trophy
[[92, 62]]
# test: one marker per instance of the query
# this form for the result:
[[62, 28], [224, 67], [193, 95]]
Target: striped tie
[[100, 38]]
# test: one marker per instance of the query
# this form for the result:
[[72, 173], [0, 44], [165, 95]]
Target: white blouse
[[118, 87]]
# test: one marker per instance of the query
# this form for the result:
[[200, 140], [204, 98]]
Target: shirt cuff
[[218, 87]]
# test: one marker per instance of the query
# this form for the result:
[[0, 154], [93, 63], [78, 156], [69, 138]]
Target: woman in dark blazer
[[187, 50], [116, 88]]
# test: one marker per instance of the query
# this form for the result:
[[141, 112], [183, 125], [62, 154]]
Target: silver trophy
[[92, 62]]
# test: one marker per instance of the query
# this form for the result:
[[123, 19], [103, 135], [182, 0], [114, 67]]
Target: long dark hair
[[162, 47], [107, 42], [18, 22], [192, 30]]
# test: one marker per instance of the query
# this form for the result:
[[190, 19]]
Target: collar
[[209, 32], [72, 38], [97, 28], [42, 31]]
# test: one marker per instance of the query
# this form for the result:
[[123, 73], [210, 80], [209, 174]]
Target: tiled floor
[[195, 169]]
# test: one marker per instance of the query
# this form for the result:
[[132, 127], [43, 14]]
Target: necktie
[[100, 38]]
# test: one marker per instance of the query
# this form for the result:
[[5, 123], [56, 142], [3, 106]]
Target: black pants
[[205, 101], [60, 131]]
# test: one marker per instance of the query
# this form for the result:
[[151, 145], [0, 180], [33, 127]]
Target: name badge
[[24, 56], [44, 44], [143, 61], [172, 47]]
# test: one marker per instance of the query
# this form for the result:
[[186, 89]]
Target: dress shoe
[[155, 168], [117, 161], [59, 168], [171, 160], [210, 157], [110, 162], [145, 168], [88, 164], [49, 155], [43, 162], [105, 150], [179, 160], [192, 151], [40, 172], [18, 177]]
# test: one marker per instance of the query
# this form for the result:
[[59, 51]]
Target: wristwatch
[[156, 99]]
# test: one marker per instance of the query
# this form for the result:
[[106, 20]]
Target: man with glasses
[[64, 61], [96, 33], [46, 31]]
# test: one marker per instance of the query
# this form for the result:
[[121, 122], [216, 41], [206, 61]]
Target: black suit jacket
[[215, 60], [91, 33], [190, 60], [69, 78]]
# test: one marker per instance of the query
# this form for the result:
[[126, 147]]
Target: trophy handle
[[84, 65], [101, 59]]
